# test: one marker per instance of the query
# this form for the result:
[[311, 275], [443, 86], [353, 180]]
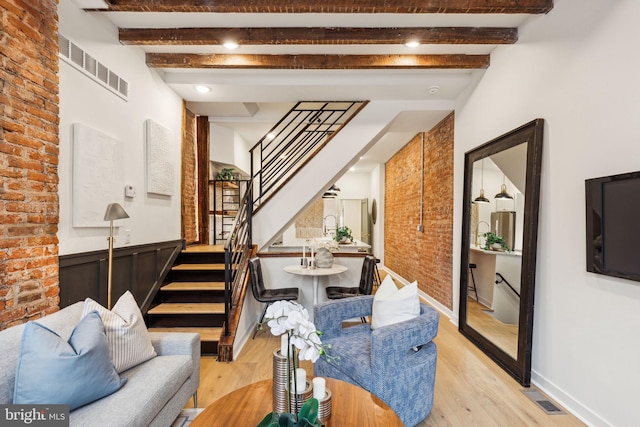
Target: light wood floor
[[501, 334], [470, 389]]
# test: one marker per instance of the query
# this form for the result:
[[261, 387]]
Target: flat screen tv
[[613, 225]]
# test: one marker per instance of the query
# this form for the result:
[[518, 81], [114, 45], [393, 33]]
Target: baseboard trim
[[567, 401]]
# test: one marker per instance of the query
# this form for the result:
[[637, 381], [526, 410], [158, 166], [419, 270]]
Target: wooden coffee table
[[247, 406]]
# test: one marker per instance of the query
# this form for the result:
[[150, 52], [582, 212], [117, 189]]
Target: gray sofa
[[155, 391]]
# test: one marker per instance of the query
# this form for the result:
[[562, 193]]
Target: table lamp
[[114, 211]]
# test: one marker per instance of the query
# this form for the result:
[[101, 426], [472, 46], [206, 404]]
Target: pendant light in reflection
[[481, 198], [503, 195]]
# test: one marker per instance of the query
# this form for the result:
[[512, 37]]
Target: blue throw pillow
[[53, 371]]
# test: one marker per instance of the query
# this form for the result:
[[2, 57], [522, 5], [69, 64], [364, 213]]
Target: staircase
[[192, 297], [312, 148]]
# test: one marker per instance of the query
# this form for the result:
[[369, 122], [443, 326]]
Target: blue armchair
[[397, 363]]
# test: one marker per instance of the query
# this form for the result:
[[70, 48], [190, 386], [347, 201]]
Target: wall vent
[[543, 402], [87, 64]]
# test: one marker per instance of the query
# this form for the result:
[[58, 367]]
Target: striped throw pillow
[[129, 341]]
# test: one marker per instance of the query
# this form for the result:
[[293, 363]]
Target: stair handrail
[[237, 249], [502, 279], [293, 141]]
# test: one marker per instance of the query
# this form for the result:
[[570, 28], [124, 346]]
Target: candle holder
[[324, 406], [280, 381], [297, 400]]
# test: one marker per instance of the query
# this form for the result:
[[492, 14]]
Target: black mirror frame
[[532, 133]]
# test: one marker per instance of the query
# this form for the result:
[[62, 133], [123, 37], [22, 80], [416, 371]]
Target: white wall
[[577, 68], [152, 218], [242, 155], [221, 147], [228, 147], [377, 193]]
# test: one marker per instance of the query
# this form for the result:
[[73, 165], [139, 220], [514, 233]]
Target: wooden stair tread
[[194, 286], [204, 249], [188, 308], [230, 185], [198, 267], [206, 334], [226, 212]]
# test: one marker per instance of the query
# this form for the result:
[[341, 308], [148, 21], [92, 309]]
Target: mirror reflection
[[499, 246], [495, 259]]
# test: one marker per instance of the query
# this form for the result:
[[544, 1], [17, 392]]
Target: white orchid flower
[[292, 318]]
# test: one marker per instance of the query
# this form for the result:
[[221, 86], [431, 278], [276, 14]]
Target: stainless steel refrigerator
[[503, 224]]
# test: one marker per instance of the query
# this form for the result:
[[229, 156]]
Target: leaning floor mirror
[[499, 244]]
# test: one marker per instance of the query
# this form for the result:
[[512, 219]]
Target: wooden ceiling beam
[[332, 6], [316, 36], [317, 62]]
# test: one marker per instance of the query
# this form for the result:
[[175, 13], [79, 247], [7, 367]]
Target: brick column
[[28, 160]]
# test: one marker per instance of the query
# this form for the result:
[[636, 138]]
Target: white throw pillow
[[392, 305], [129, 341]]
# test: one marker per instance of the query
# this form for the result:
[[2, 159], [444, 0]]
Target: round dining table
[[315, 273]]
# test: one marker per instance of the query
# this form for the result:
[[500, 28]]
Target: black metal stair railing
[[274, 159], [295, 139], [237, 250]]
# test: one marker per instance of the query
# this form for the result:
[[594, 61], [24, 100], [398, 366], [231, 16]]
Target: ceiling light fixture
[[271, 136], [202, 88], [433, 90], [230, 44], [412, 43], [481, 198]]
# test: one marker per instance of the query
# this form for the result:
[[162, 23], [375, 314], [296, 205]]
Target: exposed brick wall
[[423, 256], [189, 179], [28, 160]]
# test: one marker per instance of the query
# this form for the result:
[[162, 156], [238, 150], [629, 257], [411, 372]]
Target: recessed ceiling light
[[433, 89], [202, 88], [352, 168], [271, 136], [412, 43], [230, 44]]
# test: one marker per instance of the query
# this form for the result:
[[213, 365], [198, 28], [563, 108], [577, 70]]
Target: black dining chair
[[267, 296], [364, 288], [366, 282]]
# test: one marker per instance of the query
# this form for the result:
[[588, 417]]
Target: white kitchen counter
[[510, 253], [356, 246]]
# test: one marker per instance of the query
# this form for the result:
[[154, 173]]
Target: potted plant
[[307, 417], [343, 235], [494, 242], [226, 174]]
